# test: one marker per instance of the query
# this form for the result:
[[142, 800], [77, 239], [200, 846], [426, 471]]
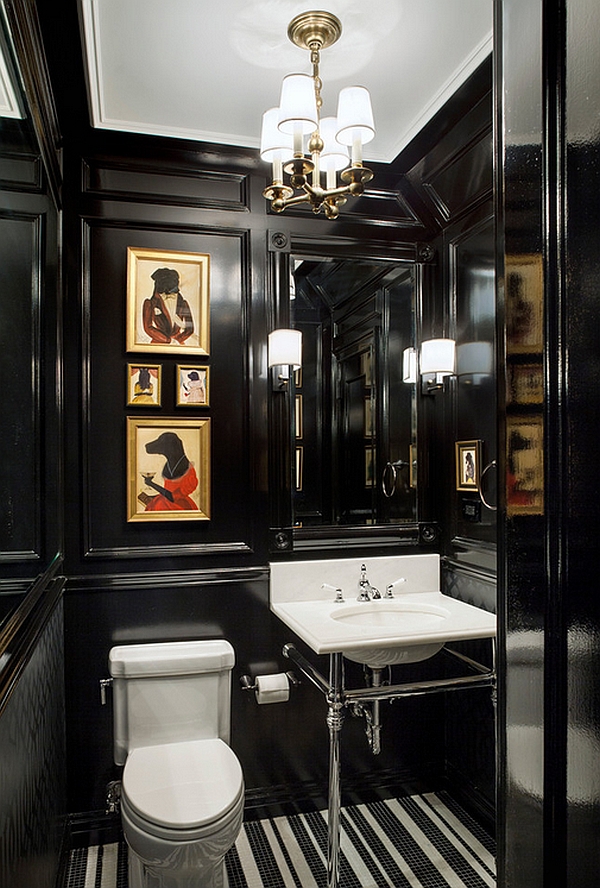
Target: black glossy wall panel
[[107, 533], [33, 767]]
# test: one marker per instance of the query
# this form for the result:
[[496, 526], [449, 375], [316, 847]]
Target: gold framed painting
[[192, 386], [299, 467], [369, 466], [524, 303], [468, 465], [168, 469], [526, 383], [525, 465], [167, 301], [412, 471], [143, 385]]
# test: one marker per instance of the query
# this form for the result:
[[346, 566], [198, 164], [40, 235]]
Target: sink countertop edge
[[336, 639]]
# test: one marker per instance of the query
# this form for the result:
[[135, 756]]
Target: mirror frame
[[283, 536]]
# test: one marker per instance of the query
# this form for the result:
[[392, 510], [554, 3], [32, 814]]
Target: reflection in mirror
[[354, 419]]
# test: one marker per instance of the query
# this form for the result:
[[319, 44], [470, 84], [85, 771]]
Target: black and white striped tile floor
[[424, 841]]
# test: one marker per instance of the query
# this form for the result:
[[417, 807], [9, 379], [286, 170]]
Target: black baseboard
[[470, 797], [299, 798], [93, 828]]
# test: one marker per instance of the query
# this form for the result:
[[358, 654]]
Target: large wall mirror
[[351, 418]]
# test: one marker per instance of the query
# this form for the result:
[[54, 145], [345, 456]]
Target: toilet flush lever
[[104, 684]]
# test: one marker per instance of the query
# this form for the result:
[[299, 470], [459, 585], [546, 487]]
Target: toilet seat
[[182, 790]]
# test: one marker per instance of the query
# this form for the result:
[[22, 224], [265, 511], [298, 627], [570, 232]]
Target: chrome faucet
[[366, 591]]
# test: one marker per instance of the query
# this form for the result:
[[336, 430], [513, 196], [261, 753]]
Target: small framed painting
[[143, 385], [192, 386], [299, 467], [369, 466], [468, 465], [167, 301], [168, 469]]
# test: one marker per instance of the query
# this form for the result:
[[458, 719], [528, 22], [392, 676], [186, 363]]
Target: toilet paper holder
[[248, 683]]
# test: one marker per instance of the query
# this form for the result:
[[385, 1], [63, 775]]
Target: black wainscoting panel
[[33, 767]]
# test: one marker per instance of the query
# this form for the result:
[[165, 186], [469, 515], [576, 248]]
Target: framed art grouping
[[167, 301], [192, 386], [168, 469], [143, 385], [468, 465]]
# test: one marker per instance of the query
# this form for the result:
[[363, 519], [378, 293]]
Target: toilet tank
[[170, 692]]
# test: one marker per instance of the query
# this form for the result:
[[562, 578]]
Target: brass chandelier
[[308, 149]]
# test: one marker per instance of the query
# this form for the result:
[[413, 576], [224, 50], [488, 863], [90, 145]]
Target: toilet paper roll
[[272, 688]]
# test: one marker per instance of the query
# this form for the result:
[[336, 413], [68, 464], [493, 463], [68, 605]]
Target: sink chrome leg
[[335, 721]]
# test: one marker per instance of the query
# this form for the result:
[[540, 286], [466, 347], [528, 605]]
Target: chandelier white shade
[[274, 144], [319, 146], [355, 119], [298, 105]]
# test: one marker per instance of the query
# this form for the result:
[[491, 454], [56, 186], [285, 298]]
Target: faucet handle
[[339, 596], [389, 590]]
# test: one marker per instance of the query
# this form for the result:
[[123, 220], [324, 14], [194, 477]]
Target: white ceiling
[[207, 69]]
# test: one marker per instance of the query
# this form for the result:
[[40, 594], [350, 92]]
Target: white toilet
[[182, 793]]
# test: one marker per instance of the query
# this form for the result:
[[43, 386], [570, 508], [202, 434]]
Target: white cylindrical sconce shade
[[409, 365], [285, 347], [298, 105], [274, 144], [355, 116], [474, 358], [438, 356]]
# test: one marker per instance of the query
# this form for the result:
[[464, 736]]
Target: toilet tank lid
[[170, 658]]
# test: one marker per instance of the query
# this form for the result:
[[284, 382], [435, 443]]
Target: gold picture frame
[[369, 466], [468, 465], [524, 276], [299, 467], [167, 301], [412, 470], [525, 464], [157, 452], [192, 385], [144, 385]]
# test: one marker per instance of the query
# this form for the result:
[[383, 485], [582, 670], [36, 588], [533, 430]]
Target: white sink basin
[[412, 626], [391, 617]]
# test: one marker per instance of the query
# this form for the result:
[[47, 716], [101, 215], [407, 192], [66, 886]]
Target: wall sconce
[[284, 351], [475, 360], [409, 365], [438, 358]]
